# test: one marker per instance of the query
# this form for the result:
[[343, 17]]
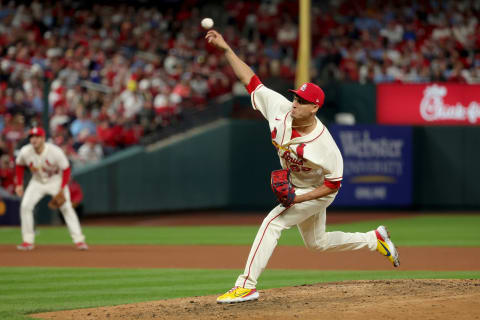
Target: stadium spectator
[[82, 126], [7, 173], [130, 68], [90, 151]]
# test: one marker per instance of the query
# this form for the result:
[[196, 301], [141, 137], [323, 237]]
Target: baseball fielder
[[50, 174], [314, 166]]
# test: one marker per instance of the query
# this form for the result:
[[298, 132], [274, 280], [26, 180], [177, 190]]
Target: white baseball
[[207, 23]]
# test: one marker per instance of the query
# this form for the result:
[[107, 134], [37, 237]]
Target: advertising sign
[[377, 165], [428, 104]]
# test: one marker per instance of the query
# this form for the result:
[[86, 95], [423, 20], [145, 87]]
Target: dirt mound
[[392, 299]]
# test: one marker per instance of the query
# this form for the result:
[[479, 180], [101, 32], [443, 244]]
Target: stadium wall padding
[[228, 167], [446, 167], [359, 100]]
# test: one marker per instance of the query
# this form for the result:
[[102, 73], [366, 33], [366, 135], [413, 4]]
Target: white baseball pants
[[34, 192], [310, 217]]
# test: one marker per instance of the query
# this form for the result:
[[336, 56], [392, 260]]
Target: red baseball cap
[[310, 92], [36, 131]]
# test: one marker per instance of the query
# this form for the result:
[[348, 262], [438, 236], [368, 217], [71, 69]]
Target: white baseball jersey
[[312, 158], [45, 166]]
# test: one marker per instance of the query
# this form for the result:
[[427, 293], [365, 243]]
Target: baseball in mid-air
[[207, 23]]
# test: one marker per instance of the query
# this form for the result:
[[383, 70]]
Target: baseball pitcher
[[311, 174], [50, 175]]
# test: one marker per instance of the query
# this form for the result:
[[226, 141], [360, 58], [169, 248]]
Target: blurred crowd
[[400, 41], [109, 74]]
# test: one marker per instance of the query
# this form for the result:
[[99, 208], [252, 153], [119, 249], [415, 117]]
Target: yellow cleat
[[238, 294], [386, 247]]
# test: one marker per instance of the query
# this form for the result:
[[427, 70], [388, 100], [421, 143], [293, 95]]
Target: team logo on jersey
[[32, 167], [50, 169], [274, 133], [300, 150], [294, 160], [295, 165], [289, 158]]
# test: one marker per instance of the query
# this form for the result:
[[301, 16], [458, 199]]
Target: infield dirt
[[392, 299], [233, 257]]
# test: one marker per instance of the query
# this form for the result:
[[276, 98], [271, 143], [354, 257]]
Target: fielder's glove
[[57, 201], [282, 187]]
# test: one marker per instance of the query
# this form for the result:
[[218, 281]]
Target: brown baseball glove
[[282, 187], [57, 201]]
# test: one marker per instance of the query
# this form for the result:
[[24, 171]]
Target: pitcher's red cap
[[310, 92], [36, 131]]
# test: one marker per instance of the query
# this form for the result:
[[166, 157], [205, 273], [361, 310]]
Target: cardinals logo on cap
[[37, 131], [311, 93]]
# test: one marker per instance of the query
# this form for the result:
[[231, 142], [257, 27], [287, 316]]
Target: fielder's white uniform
[[314, 159], [46, 169]]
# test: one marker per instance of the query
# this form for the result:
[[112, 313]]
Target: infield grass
[[424, 230], [33, 290]]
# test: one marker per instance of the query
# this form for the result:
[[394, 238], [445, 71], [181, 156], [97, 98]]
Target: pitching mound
[[392, 299]]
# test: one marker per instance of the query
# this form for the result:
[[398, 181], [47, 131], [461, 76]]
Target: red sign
[[433, 104]]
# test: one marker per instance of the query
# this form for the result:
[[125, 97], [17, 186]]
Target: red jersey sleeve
[[65, 176], [253, 84], [19, 170], [333, 184]]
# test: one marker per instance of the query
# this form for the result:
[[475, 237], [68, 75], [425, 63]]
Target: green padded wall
[[226, 165], [447, 167], [252, 159], [360, 100], [471, 166]]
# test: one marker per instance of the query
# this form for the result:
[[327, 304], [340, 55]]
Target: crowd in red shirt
[[118, 73]]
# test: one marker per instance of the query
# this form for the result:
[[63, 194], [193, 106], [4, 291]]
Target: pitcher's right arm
[[243, 72], [265, 100]]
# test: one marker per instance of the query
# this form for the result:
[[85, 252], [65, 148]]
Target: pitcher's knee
[[269, 222], [319, 244], [67, 209], [26, 209]]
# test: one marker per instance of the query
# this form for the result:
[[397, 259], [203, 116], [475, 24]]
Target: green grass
[[33, 290], [425, 230]]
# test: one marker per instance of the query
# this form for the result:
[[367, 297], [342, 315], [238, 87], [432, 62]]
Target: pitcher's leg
[[265, 242], [71, 219], [262, 248], [32, 195], [315, 237], [341, 241]]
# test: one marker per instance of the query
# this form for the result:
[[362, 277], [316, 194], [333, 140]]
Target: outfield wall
[[227, 165], [446, 163], [224, 164]]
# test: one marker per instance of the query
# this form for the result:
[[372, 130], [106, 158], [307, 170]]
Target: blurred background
[[153, 120]]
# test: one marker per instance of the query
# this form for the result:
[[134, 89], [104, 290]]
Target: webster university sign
[[421, 104]]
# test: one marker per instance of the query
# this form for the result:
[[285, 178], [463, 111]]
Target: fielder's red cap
[[36, 131], [310, 92]]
